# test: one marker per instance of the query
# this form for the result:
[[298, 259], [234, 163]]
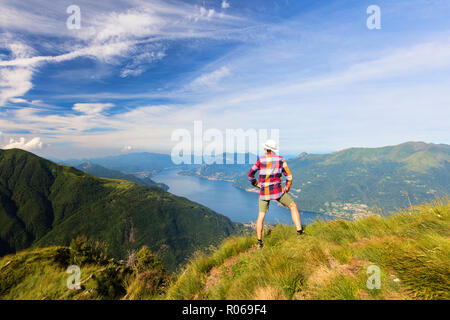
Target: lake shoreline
[[223, 197]]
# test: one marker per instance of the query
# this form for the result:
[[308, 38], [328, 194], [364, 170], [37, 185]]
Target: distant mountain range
[[145, 162], [102, 172], [42, 204], [356, 181], [232, 166]]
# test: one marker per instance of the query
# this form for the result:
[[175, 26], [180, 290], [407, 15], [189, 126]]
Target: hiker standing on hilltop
[[271, 167]]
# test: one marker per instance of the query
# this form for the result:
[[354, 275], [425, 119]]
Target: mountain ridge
[[102, 172], [43, 204], [410, 152]]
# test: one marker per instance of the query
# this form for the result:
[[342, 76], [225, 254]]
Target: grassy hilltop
[[411, 248]]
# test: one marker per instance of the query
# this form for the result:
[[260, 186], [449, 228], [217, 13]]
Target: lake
[[224, 198]]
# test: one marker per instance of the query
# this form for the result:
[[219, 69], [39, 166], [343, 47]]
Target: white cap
[[270, 145]]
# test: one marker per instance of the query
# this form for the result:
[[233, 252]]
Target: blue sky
[[138, 70]]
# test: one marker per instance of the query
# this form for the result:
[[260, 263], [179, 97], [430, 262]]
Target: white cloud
[[225, 4], [127, 149], [138, 128], [15, 81], [212, 78], [18, 100], [92, 108], [103, 52], [206, 13], [21, 143], [140, 63]]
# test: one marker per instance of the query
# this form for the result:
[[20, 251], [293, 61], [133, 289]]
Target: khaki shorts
[[285, 200]]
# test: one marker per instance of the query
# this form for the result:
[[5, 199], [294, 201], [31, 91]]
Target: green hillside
[[102, 172], [136, 162], [44, 204], [352, 182], [42, 274], [329, 261]]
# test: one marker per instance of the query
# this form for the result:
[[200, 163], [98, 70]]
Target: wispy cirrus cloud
[[108, 34], [92, 108], [209, 79], [140, 62], [15, 81]]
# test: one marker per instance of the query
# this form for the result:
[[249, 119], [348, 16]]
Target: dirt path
[[216, 273]]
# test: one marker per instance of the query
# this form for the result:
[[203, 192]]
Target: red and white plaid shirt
[[271, 167]]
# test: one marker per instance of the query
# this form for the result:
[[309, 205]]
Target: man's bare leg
[[259, 225], [295, 216]]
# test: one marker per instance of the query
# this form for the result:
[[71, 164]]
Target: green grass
[[40, 274], [34, 274], [411, 248], [193, 276]]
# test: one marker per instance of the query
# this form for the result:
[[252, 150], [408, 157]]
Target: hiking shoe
[[259, 245], [299, 232]]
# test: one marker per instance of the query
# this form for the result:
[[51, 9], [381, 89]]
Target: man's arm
[[288, 175], [252, 172]]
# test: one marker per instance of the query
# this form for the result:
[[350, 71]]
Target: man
[[271, 167]]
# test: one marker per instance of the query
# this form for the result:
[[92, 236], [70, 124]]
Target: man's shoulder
[[278, 157], [258, 161], [271, 158], [262, 158]]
